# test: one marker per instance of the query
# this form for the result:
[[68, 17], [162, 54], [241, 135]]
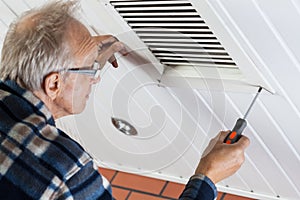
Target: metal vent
[[175, 33]]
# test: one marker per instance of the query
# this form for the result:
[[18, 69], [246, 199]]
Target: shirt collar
[[40, 107]]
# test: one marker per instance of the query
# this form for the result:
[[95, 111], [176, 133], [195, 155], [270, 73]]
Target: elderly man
[[49, 63]]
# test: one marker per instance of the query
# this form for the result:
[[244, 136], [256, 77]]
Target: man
[[49, 63]]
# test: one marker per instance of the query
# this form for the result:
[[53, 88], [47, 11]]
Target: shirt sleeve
[[199, 187], [87, 184]]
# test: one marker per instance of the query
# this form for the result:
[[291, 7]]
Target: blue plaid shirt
[[39, 161]]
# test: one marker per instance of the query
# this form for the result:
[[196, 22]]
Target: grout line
[[128, 195], [140, 191], [113, 177], [223, 196], [163, 188]]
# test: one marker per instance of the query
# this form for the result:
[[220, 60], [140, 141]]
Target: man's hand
[[221, 160], [108, 45]]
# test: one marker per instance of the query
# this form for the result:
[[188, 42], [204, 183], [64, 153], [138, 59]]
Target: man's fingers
[[109, 40], [113, 61], [108, 54], [244, 142], [108, 46], [223, 135], [103, 39]]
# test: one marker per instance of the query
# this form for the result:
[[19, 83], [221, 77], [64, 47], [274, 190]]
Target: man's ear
[[51, 85]]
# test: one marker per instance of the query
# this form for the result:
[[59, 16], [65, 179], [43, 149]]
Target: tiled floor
[[127, 186]]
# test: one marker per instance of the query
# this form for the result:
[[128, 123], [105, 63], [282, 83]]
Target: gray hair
[[31, 52]]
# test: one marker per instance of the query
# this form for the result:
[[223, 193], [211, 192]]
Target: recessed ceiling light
[[124, 126]]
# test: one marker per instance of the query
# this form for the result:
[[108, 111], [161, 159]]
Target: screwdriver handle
[[236, 132]]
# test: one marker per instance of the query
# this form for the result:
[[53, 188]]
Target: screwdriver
[[240, 124]]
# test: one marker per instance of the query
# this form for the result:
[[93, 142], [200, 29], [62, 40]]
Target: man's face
[[76, 87]]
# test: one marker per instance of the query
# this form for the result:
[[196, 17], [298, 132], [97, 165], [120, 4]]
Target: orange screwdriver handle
[[236, 132]]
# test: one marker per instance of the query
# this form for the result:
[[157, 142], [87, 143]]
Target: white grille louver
[[175, 33]]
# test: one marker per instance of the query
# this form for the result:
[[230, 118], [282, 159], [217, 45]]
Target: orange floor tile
[[173, 190], [128, 186], [139, 183], [107, 173], [140, 196], [120, 194]]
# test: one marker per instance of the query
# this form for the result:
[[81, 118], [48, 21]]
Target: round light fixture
[[124, 126]]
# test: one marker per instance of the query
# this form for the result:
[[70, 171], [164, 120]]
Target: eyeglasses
[[93, 70]]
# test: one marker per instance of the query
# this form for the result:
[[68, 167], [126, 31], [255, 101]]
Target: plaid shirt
[[199, 187], [39, 161]]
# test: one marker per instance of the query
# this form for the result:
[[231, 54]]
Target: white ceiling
[[175, 124]]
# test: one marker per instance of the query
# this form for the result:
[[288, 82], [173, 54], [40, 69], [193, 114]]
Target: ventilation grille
[[174, 32]]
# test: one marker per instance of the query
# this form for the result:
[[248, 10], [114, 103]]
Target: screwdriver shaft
[[252, 103], [236, 133]]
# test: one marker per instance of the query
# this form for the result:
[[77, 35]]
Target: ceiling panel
[[16, 7], [175, 124], [7, 14]]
